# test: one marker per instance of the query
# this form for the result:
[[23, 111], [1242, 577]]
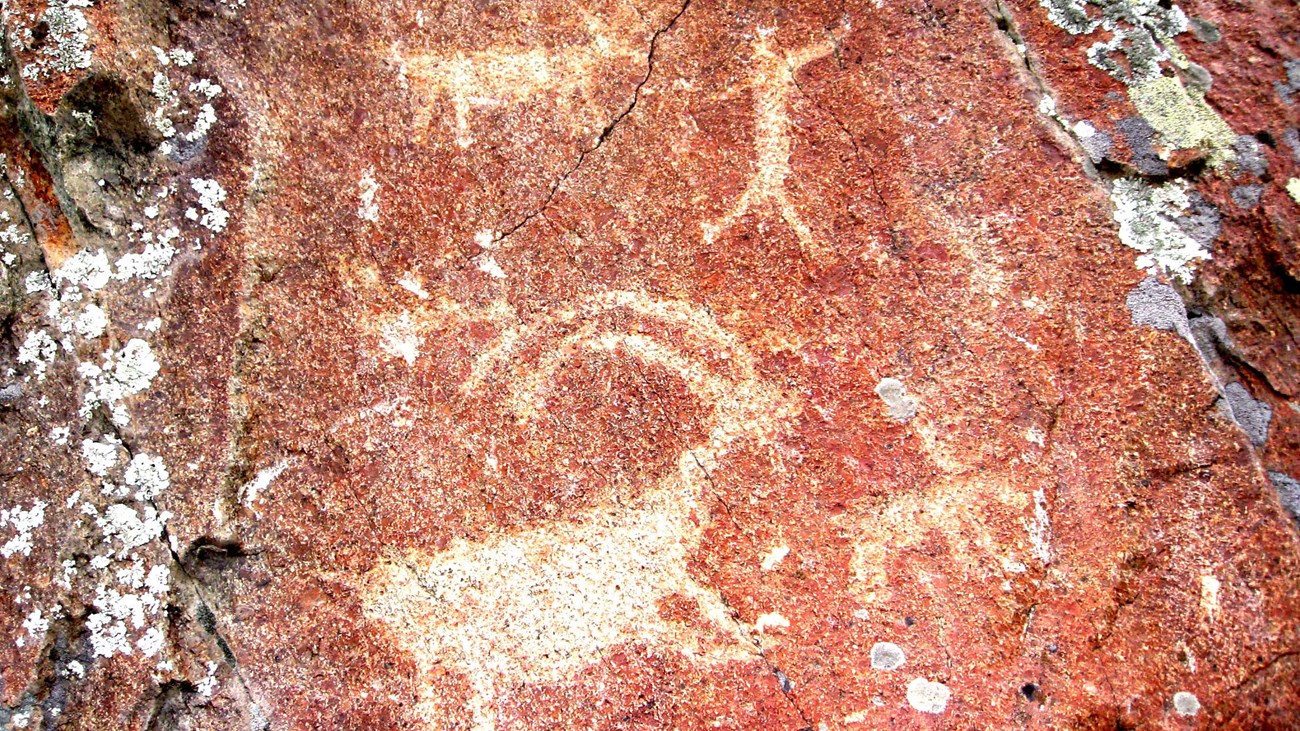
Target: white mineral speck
[[928, 696], [1186, 704], [887, 656]]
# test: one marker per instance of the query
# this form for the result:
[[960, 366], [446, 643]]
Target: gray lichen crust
[[1253, 416], [1158, 305], [1288, 490]]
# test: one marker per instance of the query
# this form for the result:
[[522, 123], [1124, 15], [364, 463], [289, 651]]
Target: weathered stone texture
[[673, 365]]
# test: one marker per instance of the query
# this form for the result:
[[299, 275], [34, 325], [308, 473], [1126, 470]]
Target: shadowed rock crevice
[[207, 556], [76, 155]]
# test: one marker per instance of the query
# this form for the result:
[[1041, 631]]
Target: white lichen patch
[[162, 87], [887, 656], [85, 117], [100, 457], [85, 269], [147, 475], [117, 615], [1148, 218], [152, 642], [38, 351], [123, 374], [37, 282], [11, 234], [23, 523], [166, 127], [928, 696], [368, 207], [132, 528], [208, 685], [1293, 189], [209, 89], [148, 263], [92, 322], [211, 196], [180, 57], [204, 121], [158, 582], [66, 45], [36, 624]]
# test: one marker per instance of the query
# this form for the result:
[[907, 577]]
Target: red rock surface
[[626, 366]]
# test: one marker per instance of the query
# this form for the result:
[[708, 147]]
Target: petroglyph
[[499, 76], [773, 87], [534, 606], [969, 514]]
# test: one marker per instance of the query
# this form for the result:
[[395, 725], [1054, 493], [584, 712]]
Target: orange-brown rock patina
[[674, 365]]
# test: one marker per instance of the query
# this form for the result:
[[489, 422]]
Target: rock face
[[673, 365]]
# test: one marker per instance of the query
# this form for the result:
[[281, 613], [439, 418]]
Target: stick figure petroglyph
[[537, 605], [773, 87]]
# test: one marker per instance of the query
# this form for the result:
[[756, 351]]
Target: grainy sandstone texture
[[672, 364]]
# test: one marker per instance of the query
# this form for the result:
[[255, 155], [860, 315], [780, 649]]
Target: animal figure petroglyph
[[497, 76], [535, 606], [976, 512], [773, 87]]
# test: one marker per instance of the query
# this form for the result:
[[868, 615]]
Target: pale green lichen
[[1141, 42], [1183, 119], [1293, 187]]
